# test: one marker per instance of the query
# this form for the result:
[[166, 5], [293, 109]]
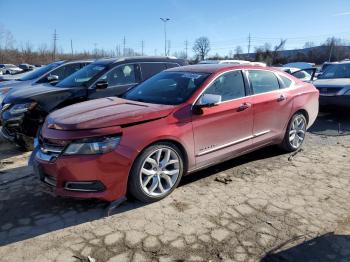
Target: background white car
[[9, 69]]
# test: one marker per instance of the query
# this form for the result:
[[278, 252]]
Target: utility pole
[[165, 20], [124, 43], [186, 48], [169, 46], [331, 50], [249, 42], [71, 46], [54, 45], [142, 46], [155, 52]]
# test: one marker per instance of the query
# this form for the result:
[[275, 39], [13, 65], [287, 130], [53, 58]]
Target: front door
[[226, 127]]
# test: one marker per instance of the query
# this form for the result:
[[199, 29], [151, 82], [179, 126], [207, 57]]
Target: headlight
[[93, 146], [3, 92], [21, 108]]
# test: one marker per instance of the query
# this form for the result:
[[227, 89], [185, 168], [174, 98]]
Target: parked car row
[[152, 120], [35, 96]]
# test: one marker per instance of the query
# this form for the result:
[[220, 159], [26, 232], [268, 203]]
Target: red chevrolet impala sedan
[[179, 121]]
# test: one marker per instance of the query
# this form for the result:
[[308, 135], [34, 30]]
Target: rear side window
[[150, 69], [229, 86], [263, 81], [286, 81], [171, 65]]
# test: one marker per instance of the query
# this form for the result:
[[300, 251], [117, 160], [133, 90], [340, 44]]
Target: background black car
[[24, 110]]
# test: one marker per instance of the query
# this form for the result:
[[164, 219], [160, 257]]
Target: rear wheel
[[295, 133], [156, 172]]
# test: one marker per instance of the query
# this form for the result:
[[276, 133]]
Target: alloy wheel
[[160, 171], [297, 131]]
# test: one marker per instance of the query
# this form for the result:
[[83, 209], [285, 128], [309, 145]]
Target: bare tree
[[309, 44], [238, 52], [201, 47], [276, 51]]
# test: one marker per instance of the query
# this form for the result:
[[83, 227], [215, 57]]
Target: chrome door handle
[[281, 98], [243, 107]]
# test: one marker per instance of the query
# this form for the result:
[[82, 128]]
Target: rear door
[[119, 79], [272, 105], [151, 68], [226, 127]]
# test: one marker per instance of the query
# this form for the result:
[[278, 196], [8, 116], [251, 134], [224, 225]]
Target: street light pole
[[165, 20]]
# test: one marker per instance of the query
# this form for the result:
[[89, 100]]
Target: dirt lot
[[266, 206]]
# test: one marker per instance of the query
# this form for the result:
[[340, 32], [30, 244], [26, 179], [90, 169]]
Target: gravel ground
[[267, 206]]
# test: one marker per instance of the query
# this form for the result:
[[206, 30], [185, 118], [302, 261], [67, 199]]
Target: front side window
[[66, 70], [167, 88], [39, 72], [120, 75], [263, 81], [83, 76], [229, 86]]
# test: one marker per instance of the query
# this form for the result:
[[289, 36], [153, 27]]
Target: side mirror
[[102, 84], [52, 78], [206, 100]]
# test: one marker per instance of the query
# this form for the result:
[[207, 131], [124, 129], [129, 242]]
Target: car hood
[[12, 83], [338, 82], [31, 93], [105, 112]]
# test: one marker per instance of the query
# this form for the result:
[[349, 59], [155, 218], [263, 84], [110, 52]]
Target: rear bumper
[[108, 172], [341, 101]]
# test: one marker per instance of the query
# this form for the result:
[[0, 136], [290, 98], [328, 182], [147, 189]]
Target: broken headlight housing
[[93, 146], [21, 108]]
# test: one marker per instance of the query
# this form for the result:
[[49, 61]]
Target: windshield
[[167, 88], [82, 77], [336, 71], [39, 72]]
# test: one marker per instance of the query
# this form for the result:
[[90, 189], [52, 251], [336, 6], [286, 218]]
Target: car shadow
[[264, 153], [327, 247], [26, 211], [332, 122]]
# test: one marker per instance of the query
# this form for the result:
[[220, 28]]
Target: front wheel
[[156, 172], [295, 133]]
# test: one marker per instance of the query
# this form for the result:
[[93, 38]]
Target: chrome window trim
[[233, 143], [247, 96]]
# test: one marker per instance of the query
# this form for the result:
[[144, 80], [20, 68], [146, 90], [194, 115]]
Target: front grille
[[50, 149], [329, 91]]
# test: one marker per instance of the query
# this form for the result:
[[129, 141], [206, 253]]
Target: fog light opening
[[85, 186]]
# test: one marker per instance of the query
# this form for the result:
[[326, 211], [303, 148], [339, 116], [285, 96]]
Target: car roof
[[214, 68], [138, 59]]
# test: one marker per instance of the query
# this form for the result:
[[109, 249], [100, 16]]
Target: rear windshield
[[167, 88]]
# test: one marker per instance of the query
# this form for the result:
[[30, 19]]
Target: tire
[[292, 143], [25, 144], [149, 176]]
